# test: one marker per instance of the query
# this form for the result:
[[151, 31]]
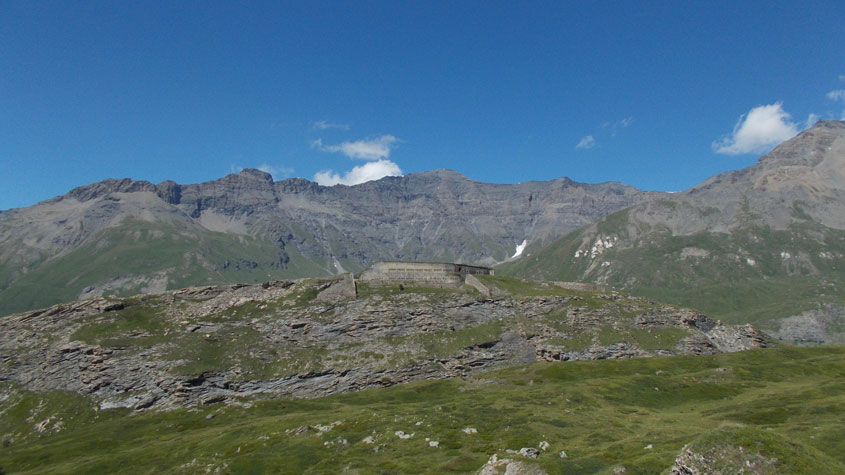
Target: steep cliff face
[[750, 245], [124, 236]]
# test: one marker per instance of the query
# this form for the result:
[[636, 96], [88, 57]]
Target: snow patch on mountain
[[598, 247], [520, 248]]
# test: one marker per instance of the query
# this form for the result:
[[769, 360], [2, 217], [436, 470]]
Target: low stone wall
[[583, 286]]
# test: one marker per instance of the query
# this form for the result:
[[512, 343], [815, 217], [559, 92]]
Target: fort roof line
[[433, 262]]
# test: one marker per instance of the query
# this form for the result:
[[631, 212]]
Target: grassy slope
[[723, 285], [189, 257], [784, 403]]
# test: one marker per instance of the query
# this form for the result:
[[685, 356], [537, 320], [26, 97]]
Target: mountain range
[[209, 378], [763, 244], [125, 237]]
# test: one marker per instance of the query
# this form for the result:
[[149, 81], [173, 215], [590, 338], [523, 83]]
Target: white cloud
[[619, 124], [367, 172], [373, 149], [586, 142], [757, 131], [811, 120], [837, 95], [323, 125], [615, 126]]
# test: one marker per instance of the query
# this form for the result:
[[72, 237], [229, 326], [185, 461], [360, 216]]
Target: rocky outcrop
[[820, 326], [723, 460], [339, 290], [510, 467], [107, 187], [312, 338]]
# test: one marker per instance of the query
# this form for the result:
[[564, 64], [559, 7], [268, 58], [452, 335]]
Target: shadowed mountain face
[[749, 245], [124, 236]]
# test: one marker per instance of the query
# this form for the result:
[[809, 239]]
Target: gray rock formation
[[300, 339], [496, 466], [723, 460], [820, 326]]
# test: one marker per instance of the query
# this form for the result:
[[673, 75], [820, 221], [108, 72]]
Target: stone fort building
[[438, 274]]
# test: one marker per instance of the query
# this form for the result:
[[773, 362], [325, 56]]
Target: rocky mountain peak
[[248, 178], [296, 185], [111, 185], [831, 124], [169, 191], [255, 174], [809, 168], [811, 147], [446, 173], [439, 176]]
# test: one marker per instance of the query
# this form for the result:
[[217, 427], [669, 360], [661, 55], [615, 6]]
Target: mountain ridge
[[759, 244], [268, 230], [170, 191]]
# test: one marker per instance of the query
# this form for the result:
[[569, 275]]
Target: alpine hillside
[[765, 243], [124, 237], [303, 377]]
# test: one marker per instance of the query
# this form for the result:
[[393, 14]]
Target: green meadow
[[784, 404]]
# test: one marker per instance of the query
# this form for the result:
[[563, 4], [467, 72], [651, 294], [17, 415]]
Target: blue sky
[[346, 91]]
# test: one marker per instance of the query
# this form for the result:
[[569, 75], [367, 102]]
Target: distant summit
[[764, 242]]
